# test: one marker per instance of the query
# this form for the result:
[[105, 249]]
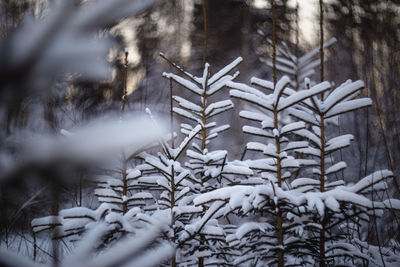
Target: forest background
[[367, 34]]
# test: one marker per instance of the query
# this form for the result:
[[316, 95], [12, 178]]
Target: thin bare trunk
[[204, 103], [297, 46], [173, 260], [80, 190], [203, 146], [279, 219], [34, 245], [125, 92], [204, 2], [125, 186], [55, 191], [322, 128], [322, 154], [171, 110], [273, 41], [124, 160], [322, 186], [321, 42], [376, 229]]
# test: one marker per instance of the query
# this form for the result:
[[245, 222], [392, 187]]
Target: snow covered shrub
[[212, 168], [173, 186], [340, 204], [301, 221], [272, 168], [120, 206]]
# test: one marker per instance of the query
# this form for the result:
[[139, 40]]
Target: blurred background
[[367, 48]]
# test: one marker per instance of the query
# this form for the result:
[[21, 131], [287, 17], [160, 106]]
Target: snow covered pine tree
[[211, 167], [263, 242], [337, 204], [305, 210]]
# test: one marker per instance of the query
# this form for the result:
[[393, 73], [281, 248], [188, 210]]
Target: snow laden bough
[[211, 166], [308, 211]]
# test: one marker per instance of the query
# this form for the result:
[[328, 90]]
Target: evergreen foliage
[[284, 207], [287, 202]]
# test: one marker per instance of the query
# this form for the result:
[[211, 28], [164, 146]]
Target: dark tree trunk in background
[[368, 49]]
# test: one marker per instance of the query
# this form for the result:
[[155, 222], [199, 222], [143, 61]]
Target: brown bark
[[322, 127], [279, 219]]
